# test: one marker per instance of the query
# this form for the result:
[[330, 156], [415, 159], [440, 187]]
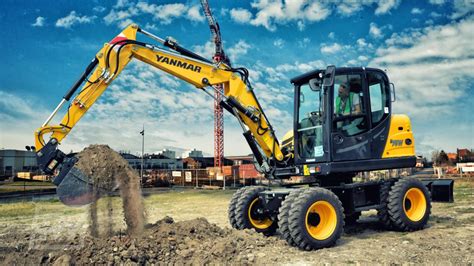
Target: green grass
[[28, 183], [29, 209]]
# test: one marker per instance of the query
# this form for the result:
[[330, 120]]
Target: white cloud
[[194, 14], [437, 2], [304, 43], [72, 19], [272, 13], [362, 45], [375, 31], [430, 69], [240, 48], [301, 26], [207, 50], [331, 49], [164, 14], [348, 8], [20, 116], [39, 22], [462, 8], [99, 9], [240, 15], [279, 43], [384, 6], [416, 11], [331, 35]]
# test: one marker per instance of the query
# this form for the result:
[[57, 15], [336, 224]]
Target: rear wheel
[[284, 211], [233, 206], [382, 213], [250, 212], [409, 205], [316, 219]]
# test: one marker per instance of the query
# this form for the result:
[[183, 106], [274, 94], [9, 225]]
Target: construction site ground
[[45, 231]]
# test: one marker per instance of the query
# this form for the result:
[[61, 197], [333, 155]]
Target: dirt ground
[[191, 227]]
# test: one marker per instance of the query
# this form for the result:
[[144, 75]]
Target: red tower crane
[[219, 57]]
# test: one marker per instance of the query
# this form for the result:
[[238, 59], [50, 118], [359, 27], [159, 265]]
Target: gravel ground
[[198, 232]]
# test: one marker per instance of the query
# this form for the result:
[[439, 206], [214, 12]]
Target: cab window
[[349, 108], [310, 120], [379, 97]]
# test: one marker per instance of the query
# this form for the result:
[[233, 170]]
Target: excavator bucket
[[74, 187], [77, 188]]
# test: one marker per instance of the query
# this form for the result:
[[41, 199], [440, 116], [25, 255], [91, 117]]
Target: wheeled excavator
[[343, 125]]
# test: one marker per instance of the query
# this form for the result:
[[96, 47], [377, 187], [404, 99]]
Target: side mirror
[[314, 84], [329, 76], [393, 96]]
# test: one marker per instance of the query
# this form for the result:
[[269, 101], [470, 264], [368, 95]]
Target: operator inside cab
[[347, 106]]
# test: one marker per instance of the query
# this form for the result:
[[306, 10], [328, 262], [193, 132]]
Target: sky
[[426, 48]]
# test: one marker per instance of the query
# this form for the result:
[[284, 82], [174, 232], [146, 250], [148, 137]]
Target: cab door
[[350, 137]]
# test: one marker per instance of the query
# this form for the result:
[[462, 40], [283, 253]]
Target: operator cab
[[342, 122]]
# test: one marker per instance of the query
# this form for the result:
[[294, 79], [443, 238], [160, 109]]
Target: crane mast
[[219, 57]]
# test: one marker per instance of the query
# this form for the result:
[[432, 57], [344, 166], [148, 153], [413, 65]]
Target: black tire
[[248, 213], [283, 213], [233, 206], [409, 205], [304, 217], [382, 213], [352, 219]]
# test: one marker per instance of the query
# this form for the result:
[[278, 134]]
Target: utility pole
[[143, 153]]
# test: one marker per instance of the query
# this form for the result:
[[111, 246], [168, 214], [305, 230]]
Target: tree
[[440, 158]]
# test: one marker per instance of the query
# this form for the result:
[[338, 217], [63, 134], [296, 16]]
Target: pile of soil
[[108, 170], [192, 242]]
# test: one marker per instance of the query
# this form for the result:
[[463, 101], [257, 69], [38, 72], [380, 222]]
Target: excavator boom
[[238, 98]]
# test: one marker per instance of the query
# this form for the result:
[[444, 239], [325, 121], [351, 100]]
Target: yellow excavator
[[343, 124]]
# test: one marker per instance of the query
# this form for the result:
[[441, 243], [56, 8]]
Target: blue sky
[[426, 48]]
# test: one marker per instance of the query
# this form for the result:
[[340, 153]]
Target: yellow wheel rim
[[256, 222], [414, 204], [321, 220]]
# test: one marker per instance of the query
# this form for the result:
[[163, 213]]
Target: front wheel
[[409, 205], [250, 212], [316, 219]]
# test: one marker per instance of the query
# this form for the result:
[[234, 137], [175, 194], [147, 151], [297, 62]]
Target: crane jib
[[178, 63]]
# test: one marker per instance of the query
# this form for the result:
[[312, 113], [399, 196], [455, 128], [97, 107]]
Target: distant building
[[192, 153], [168, 153], [202, 162], [14, 161], [243, 159], [464, 155], [153, 161], [452, 156]]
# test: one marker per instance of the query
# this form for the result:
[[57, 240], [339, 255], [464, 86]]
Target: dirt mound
[[191, 242], [109, 170]]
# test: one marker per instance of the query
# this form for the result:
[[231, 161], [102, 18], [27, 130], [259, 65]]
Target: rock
[[406, 242], [64, 260]]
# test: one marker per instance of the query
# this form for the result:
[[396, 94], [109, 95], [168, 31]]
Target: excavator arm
[[238, 98]]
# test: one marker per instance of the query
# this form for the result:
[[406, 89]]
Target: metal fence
[[193, 178]]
